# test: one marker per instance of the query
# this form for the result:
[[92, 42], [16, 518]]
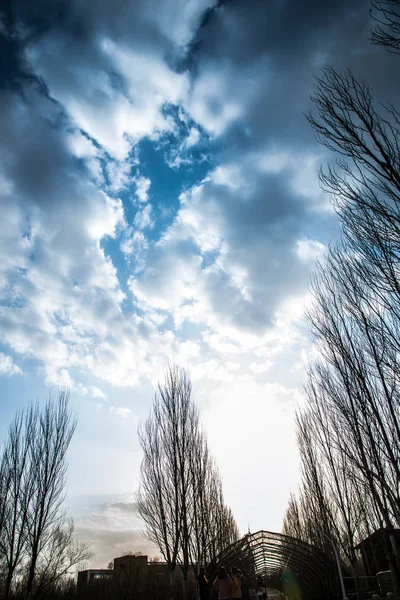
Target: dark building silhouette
[[128, 566], [373, 551], [134, 571], [93, 577]]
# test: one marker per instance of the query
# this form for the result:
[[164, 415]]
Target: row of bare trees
[[349, 434], [37, 548], [180, 497]]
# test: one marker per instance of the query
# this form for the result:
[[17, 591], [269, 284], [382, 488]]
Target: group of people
[[229, 586]]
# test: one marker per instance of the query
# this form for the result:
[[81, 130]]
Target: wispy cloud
[[112, 528]]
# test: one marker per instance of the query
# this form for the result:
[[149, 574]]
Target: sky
[[160, 202]]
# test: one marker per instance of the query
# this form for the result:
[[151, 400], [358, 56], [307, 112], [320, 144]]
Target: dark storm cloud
[[261, 234], [33, 150], [268, 52], [254, 227], [52, 207], [64, 90], [107, 68], [149, 24], [253, 66]]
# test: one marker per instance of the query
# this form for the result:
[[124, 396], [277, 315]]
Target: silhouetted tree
[[350, 435], [37, 549], [60, 555], [386, 32], [213, 525], [164, 497], [17, 489], [180, 496], [54, 429]]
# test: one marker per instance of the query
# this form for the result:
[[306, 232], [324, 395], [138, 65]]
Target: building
[[93, 577], [129, 566], [135, 571], [373, 551]]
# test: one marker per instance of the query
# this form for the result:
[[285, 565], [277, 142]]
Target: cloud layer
[[160, 200], [112, 528]]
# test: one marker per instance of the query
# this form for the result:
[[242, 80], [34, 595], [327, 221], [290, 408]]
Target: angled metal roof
[[293, 567]]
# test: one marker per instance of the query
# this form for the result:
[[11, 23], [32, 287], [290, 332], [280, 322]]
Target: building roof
[[377, 535]]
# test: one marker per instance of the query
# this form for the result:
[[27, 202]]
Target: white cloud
[[177, 19], [210, 103], [171, 279], [64, 297], [107, 114], [14, 245], [134, 242], [232, 257], [122, 412], [193, 138], [105, 218], [310, 250], [187, 351], [260, 367], [7, 366], [151, 83], [143, 217], [142, 188], [90, 390], [60, 378], [83, 148], [118, 173]]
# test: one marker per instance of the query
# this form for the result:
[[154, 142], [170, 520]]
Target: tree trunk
[[172, 584], [7, 589], [31, 576], [356, 581], [185, 585]]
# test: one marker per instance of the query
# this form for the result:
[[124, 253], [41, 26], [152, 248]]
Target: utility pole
[[338, 565]]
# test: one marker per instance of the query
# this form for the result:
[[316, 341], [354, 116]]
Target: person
[[203, 584], [245, 591], [261, 588], [236, 583], [223, 584]]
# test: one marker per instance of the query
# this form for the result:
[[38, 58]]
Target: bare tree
[[293, 519], [386, 32], [350, 436], [54, 430], [213, 525], [18, 485], [355, 385], [357, 291], [36, 545], [223, 523], [180, 495], [164, 497], [203, 475], [62, 554]]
